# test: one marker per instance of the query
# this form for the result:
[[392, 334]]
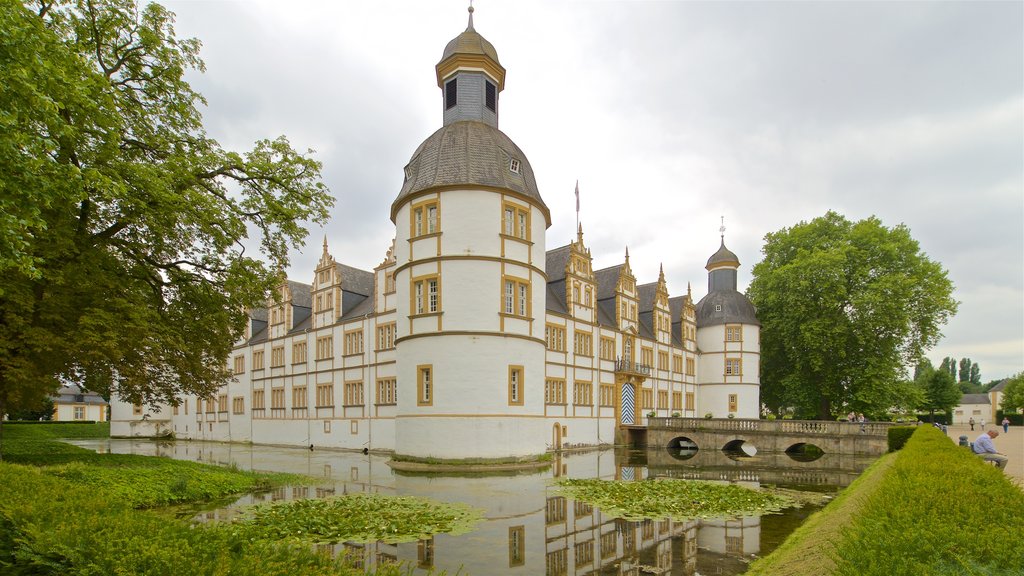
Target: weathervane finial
[[721, 229], [470, 27]]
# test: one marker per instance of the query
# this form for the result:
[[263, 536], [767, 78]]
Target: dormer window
[[490, 96], [513, 165], [451, 97]]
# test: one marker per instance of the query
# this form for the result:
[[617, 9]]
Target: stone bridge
[[870, 438]]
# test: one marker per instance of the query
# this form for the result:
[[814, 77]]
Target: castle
[[472, 340]]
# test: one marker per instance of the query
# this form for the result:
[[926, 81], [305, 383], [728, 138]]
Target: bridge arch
[[682, 448], [804, 452], [739, 447]]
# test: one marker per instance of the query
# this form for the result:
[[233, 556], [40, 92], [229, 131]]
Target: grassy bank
[[931, 508], [65, 510]]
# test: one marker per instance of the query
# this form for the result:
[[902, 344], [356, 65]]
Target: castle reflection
[[528, 526]]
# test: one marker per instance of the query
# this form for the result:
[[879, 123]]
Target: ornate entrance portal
[[627, 404]]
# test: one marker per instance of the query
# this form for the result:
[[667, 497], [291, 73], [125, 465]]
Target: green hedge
[[939, 510], [1015, 419], [898, 436]]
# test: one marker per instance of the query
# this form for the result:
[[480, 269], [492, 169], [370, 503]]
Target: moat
[[529, 527]]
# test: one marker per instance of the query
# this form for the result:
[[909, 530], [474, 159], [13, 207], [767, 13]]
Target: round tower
[[729, 339], [470, 226]]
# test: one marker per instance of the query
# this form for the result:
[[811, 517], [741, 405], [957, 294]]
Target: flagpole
[[577, 204]]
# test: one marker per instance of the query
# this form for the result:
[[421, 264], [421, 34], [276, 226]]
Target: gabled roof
[[555, 263], [301, 294], [607, 279], [355, 280], [974, 399]]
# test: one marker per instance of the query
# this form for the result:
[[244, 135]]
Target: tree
[[975, 376], [44, 411], [965, 370], [844, 306], [1013, 394], [123, 227], [949, 365], [940, 392]]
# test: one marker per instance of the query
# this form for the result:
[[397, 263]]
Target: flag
[[577, 196]]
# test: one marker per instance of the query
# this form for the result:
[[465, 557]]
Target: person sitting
[[983, 447]]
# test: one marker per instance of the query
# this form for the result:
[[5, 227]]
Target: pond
[[529, 527]]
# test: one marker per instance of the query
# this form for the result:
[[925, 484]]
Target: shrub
[[709, 416], [898, 436], [939, 510]]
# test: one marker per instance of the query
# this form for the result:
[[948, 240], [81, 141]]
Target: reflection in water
[[528, 526]]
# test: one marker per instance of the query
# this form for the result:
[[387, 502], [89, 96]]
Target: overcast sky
[[670, 115]]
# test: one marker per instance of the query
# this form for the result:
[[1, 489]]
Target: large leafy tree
[[940, 392], [1013, 394], [123, 226], [844, 307]]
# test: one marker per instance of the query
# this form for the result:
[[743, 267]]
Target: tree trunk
[[3, 410], [824, 409]]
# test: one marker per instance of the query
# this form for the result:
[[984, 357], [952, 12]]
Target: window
[[555, 510], [513, 165], [515, 221], [584, 553], [324, 302], [258, 399], [426, 297], [516, 546], [389, 282], [386, 336], [609, 545], [607, 395], [211, 405], [647, 357], [607, 348], [733, 333], [516, 299], [324, 347], [387, 391], [239, 364], [299, 353], [677, 400], [583, 344], [586, 296], [554, 391], [677, 363], [353, 393], [555, 336], [733, 367], [257, 359], [238, 405], [646, 398], [277, 399], [662, 399], [425, 553], [79, 413], [690, 367], [690, 401], [424, 218], [490, 96], [733, 402], [222, 403], [662, 360], [277, 356], [425, 385], [325, 395], [137, 408], [354, 342], [515, 385], [583, 393], [451, 93], [300, 397]]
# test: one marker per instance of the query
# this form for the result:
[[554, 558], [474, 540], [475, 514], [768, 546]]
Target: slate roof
[[468, 153], [974, 399], [556, 298], [723, 256], [72, 394], [355, 280], [470, 42], [725, 307], [555, 262], [606, 279]]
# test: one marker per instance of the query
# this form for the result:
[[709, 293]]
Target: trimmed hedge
[[931, 508], [941, 510], [898, 436]]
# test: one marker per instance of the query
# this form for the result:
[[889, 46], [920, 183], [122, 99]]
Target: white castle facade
[[473, 340]]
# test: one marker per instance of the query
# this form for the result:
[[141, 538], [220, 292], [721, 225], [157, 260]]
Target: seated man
[[983, 447]]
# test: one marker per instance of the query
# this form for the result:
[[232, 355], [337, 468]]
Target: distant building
[[71, 403], [471, 339]]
